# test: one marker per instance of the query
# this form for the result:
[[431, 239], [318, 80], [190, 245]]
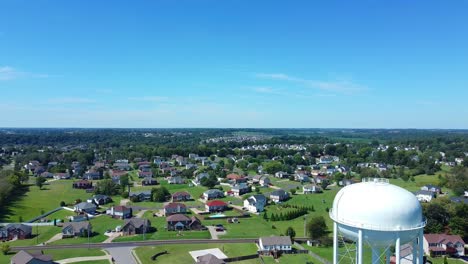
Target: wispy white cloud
[[150, 98], [343, 86], [266, 90], [71, 100], [9, 73]]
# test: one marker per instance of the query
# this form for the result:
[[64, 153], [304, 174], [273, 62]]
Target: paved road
[[139, 243], [122, 255]]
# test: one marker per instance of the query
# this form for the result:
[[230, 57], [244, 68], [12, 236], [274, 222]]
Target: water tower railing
[[376, 180], [377, 227]]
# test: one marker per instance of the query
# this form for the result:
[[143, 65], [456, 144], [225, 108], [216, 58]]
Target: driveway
[[214, 234], [122, 255]]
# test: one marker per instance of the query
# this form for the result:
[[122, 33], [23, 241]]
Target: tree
[[107, 187], [316, 227], [291, 233], [124, 181], [272, 167], [62, 204], [40, 182], [293, 191], [159, 194], [5, 248]]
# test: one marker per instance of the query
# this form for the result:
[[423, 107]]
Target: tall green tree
[[291, 233], [316, 227], [40, 182]]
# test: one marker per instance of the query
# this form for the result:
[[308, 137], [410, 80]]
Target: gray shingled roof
[[276, 240]]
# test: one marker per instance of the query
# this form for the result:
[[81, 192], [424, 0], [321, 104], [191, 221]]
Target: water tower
[[377, 216]]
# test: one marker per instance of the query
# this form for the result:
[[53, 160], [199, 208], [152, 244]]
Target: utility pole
[[89, 243], [37, 234]]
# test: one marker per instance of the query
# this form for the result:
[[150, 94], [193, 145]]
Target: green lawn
[[93, 262], [35, 201], [100, 225], [299, 258], [45, 233], [180, 253], [162, 234]]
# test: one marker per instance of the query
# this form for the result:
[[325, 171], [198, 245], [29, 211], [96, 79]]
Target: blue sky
[[327, 64]]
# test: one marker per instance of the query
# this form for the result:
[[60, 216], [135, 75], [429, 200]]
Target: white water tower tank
[[379, 215]]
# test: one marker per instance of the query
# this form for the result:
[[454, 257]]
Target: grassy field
[[35, 201], [180, 253]]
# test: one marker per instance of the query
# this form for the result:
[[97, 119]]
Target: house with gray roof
[[209, 259], [15, 231], [279, 196], [76, 229], [213, 194], [255, 203], [425, 196], [275, 243], [141, 195], [31, 257], [85, 207]]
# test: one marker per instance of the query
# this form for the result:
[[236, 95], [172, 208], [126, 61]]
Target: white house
[[424, 196], [279, 243], [281, 174], [311, 188], [255, 203], [279, 196]]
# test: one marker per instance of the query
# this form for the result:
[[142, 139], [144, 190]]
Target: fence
[[234, 259], [44, 215]]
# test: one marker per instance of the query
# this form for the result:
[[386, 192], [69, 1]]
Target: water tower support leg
[[420, 247], [387, 255], [335, 243], [359, 248], [375, 255], [397, 250]]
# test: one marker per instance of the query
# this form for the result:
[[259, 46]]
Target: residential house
[[424, 196], [190, 166], [76, 229], [209, 259], [181, 196], [61, 176], [235, 178], [441, 244], [278, 196], [216, 206], [145, 174], [263, 180], [181, 161], [85, 207], [92, 175], [175, 208], [326, 159], [212, 194], [32, 257], [281, 174], [311, 188], [122, 165], [140, 195], [240, 189], [429, 187], [47, 174], [182, 222], [255, 203], [301, 177], [135, 226], [120, 211], [331, 169], [275, 243], [99, 199], [148, 181], [199, 177], [82, 184], [175, 180], [15, 231]]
